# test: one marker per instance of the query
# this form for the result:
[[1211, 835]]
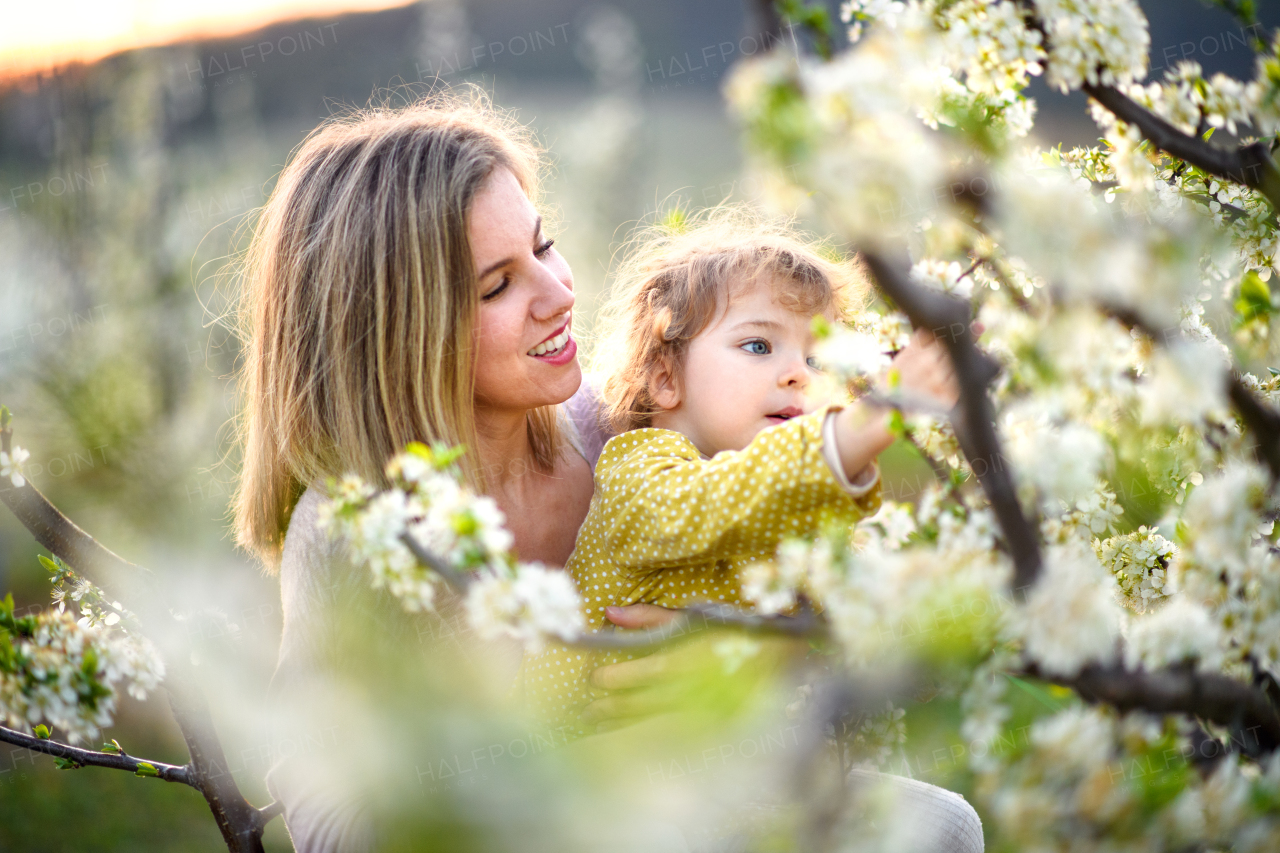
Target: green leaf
[[145, 769], [1255, 298], [1038, 693], [113, 747], [67, 764], [676, 220], [41, 731], [417, 448], [897, 424], [6, 417], [50, 566], [815, 18]]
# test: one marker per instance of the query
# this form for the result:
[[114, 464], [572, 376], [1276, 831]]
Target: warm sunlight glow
[[49, 33]]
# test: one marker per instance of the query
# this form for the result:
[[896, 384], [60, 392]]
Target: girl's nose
[[795, 372]]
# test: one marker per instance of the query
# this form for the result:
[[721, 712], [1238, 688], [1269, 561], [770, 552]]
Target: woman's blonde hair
[[359, 303], [676, 275]]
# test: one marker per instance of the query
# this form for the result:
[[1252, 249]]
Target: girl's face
[[749, 370], [525, 356]]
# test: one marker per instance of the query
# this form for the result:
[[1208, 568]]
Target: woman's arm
[[648, 686]]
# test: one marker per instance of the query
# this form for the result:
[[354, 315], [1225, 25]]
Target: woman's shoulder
[[584, 412], [314, 567], [306, 544]]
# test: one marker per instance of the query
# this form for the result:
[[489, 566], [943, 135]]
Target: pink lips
[[567, 352], [786, 414], [565, 355], [553, 334]]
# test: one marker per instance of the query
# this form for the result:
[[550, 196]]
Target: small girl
[[706, 361]]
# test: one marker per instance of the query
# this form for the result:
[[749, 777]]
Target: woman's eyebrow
[[497, 265]]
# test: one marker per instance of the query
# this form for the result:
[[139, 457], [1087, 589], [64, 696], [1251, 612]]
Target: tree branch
[[90, 758], [1250, 165], [692, 620], [60, 535], [974, 416], [240, 823], [1262, 420], [1211, 696]]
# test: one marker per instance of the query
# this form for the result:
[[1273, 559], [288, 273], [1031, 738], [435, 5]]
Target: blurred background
[[135, 144]]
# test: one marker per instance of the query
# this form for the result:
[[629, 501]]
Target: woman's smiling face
[[525, 354]]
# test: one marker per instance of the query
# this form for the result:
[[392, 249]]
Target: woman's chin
[[529, 386], [560, 375], [567, 385]]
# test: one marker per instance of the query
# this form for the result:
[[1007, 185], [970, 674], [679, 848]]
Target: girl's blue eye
[[813, 362], [757, 347]]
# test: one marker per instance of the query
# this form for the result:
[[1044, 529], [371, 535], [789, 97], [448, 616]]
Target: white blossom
[[1140, 563], [57, 667], [1221, 517], [944, 276], [1184, 381], [11, 466], [1103, 42], [1178, 631], [848, 354], [536, 604], [1070, 617], [465, 532]]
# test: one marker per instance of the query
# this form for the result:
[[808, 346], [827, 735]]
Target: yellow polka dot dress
[[669, 527]]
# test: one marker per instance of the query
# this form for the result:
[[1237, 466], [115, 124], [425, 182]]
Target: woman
[[401, 288]]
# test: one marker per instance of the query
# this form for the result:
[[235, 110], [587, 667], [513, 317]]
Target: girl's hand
[[924, 367]]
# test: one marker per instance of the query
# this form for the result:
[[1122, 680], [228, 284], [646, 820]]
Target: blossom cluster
[[62, 671], [427, 502]]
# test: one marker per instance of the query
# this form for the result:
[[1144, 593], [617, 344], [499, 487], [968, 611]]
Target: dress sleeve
[[669, 507]]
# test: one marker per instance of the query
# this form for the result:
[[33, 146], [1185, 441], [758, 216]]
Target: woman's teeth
[[552, 345]]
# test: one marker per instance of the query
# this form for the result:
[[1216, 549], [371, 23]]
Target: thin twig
[[90, 758]]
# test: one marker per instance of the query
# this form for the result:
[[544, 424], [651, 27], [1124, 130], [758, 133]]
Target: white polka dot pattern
[[670, 527]]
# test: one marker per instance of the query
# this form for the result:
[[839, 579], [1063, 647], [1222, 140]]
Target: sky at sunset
[[38, 34]]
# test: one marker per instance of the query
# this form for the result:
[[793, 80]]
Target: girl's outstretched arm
[[862, 429]]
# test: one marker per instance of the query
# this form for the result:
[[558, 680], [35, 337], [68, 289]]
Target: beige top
[[315, 574]]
